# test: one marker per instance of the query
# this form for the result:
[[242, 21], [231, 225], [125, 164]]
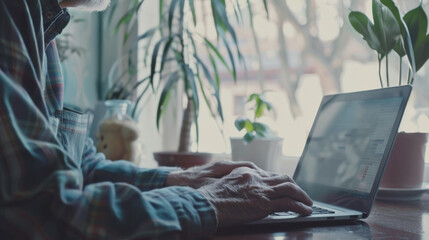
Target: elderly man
[[55, 186]]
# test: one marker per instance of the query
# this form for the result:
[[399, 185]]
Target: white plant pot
[[264, 152]]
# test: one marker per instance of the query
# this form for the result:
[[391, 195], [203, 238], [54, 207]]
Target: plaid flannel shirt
[[53, 184]]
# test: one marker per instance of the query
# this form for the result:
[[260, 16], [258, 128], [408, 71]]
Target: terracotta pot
[[182, 159], [406, 165]]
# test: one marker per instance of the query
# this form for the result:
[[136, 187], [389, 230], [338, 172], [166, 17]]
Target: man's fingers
[[277, 179], [237, 164], [292, 191], [223, 167], [287, 204]]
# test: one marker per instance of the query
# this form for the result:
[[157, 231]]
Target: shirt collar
[[55, 19]]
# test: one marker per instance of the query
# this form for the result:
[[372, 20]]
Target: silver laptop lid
[[349, 144]]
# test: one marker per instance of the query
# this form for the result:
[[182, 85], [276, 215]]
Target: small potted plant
[[259, 144], [406, 36]]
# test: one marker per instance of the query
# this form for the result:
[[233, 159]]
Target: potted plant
[[187, 70], [258, 144], [406, 36]]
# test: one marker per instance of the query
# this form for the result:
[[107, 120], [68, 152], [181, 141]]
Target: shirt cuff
[[196, 215], [155, 180]]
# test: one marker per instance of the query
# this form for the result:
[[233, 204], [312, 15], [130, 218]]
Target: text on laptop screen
[[347, 143]]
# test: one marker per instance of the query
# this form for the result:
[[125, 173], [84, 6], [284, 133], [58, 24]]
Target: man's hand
[[245, 195], [199, 176]]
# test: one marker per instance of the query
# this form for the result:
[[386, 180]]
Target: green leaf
[[261, 129], [268, 106], [425, 50], [266, 8], [237, 11], [248, 125], [417, 23], [161, 10], [155, 58], [182, 10], [215, 70], [231, 31], [178, 56], [173, 5], [248, 137], [163, 100], [165, 52], [408, 45], [147, 34], [220, 57], [399, 48], [259, 109], [361, 23], [208, 76], [219, 9], [125, 39], [223, 26], [231, 58], [252, 97], [133, 113], [203, 92], [213, 84], [240, 123], [262, 98], [140, 82], [218, 22], [191, 37], [124, 19], [146, 49], [192, 6], [249, 9], [385, 26], [139, 5]]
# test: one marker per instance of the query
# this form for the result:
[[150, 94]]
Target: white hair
[[93, 5]]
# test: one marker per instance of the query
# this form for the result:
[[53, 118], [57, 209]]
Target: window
[[307, 49]]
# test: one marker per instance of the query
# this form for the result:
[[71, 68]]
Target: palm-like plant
[[177, 48]]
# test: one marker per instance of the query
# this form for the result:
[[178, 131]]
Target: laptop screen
[[348, 145]]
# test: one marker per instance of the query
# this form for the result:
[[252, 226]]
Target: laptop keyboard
[[316, 211], [319, 210]]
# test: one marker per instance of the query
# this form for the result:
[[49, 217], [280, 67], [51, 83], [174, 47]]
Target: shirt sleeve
[[95, 211], [36, 171], [96, 168]]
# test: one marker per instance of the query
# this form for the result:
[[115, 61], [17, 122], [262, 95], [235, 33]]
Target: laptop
[[346, 152]]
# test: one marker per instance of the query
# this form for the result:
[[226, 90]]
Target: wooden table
[[388, 220]]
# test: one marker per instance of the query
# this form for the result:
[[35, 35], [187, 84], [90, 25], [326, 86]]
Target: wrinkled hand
[[202, 175], [245, 195]]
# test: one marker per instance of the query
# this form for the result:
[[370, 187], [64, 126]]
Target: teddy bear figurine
[[117, 140]]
